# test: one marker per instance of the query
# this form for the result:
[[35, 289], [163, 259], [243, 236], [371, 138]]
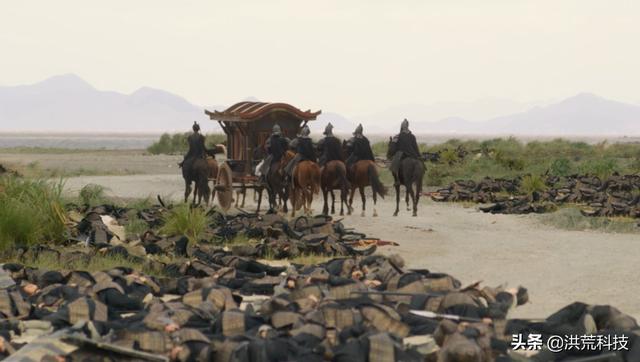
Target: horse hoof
[[375, 214], [362, 214], [415, 214], [395, 214]]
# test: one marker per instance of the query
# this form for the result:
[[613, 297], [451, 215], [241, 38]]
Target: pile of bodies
[[618, 195], [216, 306], [205, 302], [274, 236]]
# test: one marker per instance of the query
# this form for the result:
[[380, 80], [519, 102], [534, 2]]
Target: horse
[[196, 170], [361, 174], [410, 173], [276, 182], [333, 176], [304, 184]]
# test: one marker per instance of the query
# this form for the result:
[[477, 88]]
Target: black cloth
[[304, 152], [304, 148], [407, 144], [330, 149], [276, 147], [360, 150], [197, 148]]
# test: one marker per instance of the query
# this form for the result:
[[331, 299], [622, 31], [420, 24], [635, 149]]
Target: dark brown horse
[[196, 170], [334, 177], [410, 174], [361, 174], [276, 183], [304, 184]]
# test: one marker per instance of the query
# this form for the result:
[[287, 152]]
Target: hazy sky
[[352, 57]]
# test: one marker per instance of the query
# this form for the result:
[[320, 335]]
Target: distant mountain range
[[67, 103]]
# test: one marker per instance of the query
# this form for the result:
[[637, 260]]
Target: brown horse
[[304, 184], [334, 177], [276, 182], [361, 174]]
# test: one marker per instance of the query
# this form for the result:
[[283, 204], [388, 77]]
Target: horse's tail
[[342, 173], [374, 181], [315, 182]]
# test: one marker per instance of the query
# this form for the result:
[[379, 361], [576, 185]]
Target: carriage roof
[[248, 124]]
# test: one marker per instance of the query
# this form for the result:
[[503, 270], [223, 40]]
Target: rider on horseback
[[197, 149], [276, 146], [361, 148], [406, 147], [330, 147], [304, 150]]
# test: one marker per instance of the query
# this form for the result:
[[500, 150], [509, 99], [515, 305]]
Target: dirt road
[[557, 266]]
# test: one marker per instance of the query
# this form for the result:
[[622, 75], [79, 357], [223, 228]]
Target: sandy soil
[[94, 162], [557, 266]]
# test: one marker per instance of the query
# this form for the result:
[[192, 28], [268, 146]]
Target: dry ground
[[557, 266]]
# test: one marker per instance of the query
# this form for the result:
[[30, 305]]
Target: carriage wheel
[[224, 187]]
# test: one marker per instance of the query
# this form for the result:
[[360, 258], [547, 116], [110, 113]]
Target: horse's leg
[[406, 199], [333, 202], [364, 200], [325, 207], [353, 192], [244, 194], [397, 187], [375, 200], [413, 198], [187, 190], [417, 200], [259, 193]]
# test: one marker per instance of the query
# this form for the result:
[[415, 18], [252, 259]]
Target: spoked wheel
[[224, 187]]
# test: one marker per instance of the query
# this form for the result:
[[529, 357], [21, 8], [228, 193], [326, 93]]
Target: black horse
[[410, 173], [196, 170]]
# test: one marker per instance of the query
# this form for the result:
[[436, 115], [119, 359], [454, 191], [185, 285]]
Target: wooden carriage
[[248, 125]]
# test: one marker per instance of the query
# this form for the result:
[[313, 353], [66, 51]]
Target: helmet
[[358, 131], [404, 127], [328, 130], [304, 132], [276, 129], [195, 127]]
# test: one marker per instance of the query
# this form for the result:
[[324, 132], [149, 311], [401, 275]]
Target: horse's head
[[391, 148], [347, 148]]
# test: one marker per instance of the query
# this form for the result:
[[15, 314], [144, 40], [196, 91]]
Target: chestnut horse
[[334, 177], [304, 184], [361, 174]]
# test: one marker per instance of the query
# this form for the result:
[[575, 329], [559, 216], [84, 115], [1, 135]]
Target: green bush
[[30, 212], [92, 195], [177, 143], [531, 184], [560, 167], [572, 219], [603, 168], [135, 226], [185, 220]]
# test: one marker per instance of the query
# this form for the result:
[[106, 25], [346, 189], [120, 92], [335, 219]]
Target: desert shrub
[[135, 226], [435, 175], [92, 195], [185, 220], [177, 143], [531, 184], [30, 211], [560, 167], [572, 219], [449, 156], [603, 168]]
